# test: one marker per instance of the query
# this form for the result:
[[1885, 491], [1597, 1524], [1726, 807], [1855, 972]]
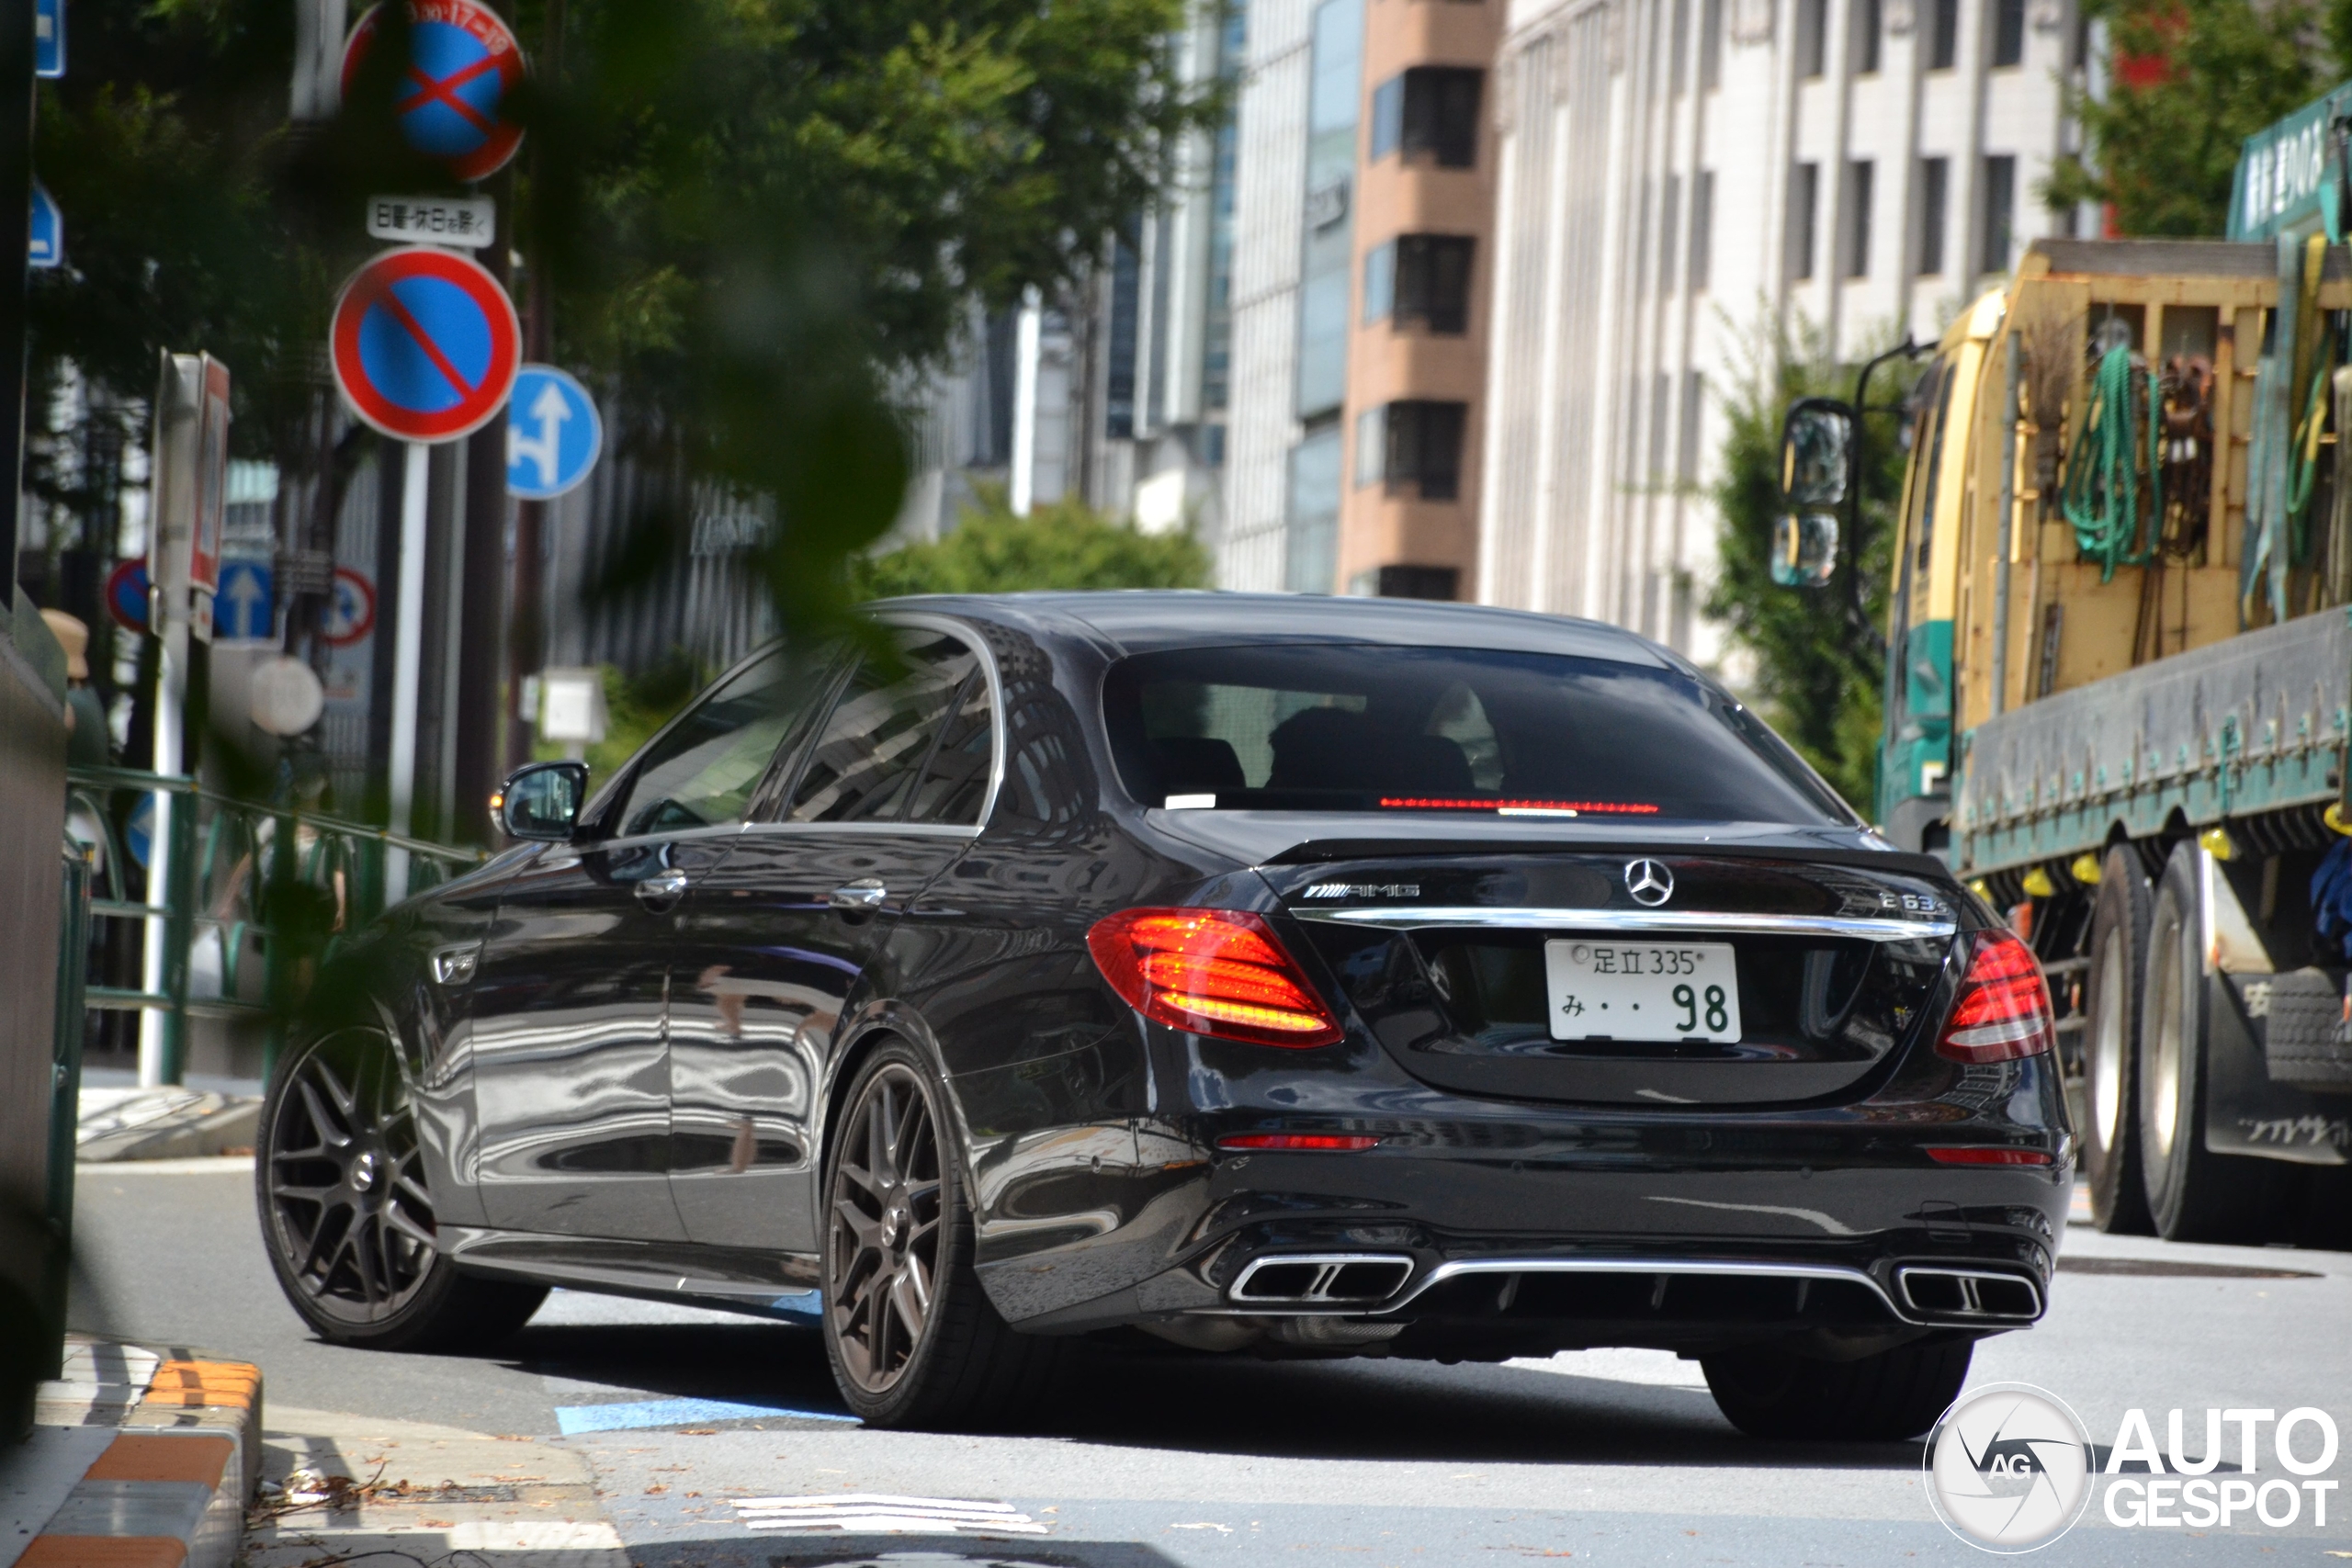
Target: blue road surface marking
[[573, 1419]]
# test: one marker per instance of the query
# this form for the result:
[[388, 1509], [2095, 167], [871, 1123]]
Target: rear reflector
[[2002, 1009], [1213, 972], [1329, 1143], [1981, 1156]]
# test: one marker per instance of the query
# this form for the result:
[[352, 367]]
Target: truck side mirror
[[1817, 464], [1804, 549], [542, 801]]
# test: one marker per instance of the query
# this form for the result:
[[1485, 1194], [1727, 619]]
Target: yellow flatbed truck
[[2120, 689]]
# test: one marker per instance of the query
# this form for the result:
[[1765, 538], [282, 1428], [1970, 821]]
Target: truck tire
[[2193, 1193], [2119, 965]]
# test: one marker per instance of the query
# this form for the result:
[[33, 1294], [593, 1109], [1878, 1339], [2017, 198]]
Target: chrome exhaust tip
[[1979, 1294], [1321, 1278]]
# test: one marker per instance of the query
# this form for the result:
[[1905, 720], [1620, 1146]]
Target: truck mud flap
[[2246, 1112]]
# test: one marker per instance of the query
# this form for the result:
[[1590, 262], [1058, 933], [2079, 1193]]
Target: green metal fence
[[224, 933]]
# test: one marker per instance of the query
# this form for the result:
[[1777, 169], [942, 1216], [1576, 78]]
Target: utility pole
[[16, 240], [526, 635]]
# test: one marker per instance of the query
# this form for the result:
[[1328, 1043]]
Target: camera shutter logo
[[2008, 1467], [1649, 882]]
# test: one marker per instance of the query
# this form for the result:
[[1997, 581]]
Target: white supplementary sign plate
[[468, 221], [1603, 990]]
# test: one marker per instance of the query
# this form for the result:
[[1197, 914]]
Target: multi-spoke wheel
[[912, 1337], [346, 1212]]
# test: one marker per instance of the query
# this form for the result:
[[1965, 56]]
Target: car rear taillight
[[1984, 1154], [1317, 1142], [1213, 972], [2002, 1009]]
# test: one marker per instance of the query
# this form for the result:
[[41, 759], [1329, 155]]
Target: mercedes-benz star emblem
[[1649, 882]]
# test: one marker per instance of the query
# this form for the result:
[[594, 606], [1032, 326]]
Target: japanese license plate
[[1642, 990]]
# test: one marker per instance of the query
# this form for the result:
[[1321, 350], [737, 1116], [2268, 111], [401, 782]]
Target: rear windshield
[[1364, 727]]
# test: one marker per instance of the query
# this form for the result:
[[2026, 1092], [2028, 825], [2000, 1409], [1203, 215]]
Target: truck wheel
[[1897, 1393], [2193, 1193], [913, 1340], [346, 1217], [2111, 1045]]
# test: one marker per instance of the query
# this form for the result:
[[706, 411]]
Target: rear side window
[[1359, 728], [914, 745]]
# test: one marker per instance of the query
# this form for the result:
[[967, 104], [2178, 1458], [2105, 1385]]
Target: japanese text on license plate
[[1642, 990]]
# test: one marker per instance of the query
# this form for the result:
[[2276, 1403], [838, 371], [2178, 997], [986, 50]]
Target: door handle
[[860, 897], [661, 889]]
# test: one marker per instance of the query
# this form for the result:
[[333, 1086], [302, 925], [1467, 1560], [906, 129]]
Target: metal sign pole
[[154, 977], [408, 653]]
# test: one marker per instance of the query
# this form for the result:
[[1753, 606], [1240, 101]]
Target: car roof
[[1145, 620]]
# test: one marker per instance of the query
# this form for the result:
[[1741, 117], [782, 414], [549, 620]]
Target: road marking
[[871, 1514], [573, 1419]]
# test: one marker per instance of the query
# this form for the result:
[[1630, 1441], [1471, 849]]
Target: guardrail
[[246, 886]]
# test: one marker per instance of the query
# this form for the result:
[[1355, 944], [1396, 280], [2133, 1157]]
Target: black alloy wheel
[[912, 1337], [2111, 1046], [346, 1212]]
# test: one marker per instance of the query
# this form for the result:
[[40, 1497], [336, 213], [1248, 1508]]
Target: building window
[[1858, 182], [1935, 191], [1418, 448], [1813, 38], [1328, 255], [1379, 282], [1869, 26], [1703, 226], [2008, 32], [1943, 35], [1433, 281], [1311, 542], [1711, 45], [1661, 420], [1407, 583], [1681, 38], [1670, 233], [2000, 211], [1805, 190], [1119, 373], [1695, 409], [1430, 111]]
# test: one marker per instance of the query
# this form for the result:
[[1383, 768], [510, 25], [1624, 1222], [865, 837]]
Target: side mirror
[[541, 801], [1817, 454], [1804, 549]]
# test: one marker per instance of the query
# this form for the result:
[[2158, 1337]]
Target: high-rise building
[[1365, 195], [1680, 179]]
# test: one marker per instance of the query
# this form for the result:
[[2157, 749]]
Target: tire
[[2119, 961], [1883, 1398], [913, 1338], [2193, 1194], [346, 1217]]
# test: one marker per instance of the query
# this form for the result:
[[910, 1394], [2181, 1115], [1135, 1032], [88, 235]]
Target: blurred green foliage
[[1820, 662], [635, 706], [1063, 544], [2192, 80]]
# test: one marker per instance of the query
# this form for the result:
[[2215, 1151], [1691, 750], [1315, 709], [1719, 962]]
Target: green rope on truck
[[2101, 495], [2303, 458]]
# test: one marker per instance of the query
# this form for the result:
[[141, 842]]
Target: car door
[[572, 1068], [891, 787]]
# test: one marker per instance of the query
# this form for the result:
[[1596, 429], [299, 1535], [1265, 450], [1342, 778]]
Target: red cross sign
[[462, 64]]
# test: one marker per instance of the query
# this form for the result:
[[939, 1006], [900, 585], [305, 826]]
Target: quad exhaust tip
[[1323, 1279], [1970, 1292]]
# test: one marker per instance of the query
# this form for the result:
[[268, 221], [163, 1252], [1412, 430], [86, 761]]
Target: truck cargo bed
[[2252, 725]]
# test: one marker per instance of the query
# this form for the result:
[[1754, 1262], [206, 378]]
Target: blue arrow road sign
[[552, 434], [244, 605], [47, 244], [49, 37]]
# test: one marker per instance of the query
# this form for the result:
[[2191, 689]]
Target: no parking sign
[[462, 64], [425, 344]]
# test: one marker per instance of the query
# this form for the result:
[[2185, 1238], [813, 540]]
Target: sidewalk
[[140, 1458], [120, 1121]]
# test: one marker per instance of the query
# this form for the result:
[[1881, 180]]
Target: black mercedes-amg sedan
[[1271, 976]]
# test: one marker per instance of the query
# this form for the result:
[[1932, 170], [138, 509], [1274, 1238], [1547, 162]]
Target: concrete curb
[[167, 1488], [162, 1124]]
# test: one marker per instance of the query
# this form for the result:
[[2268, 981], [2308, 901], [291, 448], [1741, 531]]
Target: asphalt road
[[1609, 1457]]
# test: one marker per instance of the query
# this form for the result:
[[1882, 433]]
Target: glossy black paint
[[638, 1096]]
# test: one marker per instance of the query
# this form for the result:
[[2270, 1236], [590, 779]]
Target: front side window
[[913, 744], [1376, 728], [704, 769]]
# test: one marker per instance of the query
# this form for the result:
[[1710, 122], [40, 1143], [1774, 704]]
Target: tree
[[1820, 664], [1062, 545], [2192, 80]]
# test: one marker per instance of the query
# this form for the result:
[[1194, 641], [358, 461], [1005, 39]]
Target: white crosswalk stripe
[[875, 1513]]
